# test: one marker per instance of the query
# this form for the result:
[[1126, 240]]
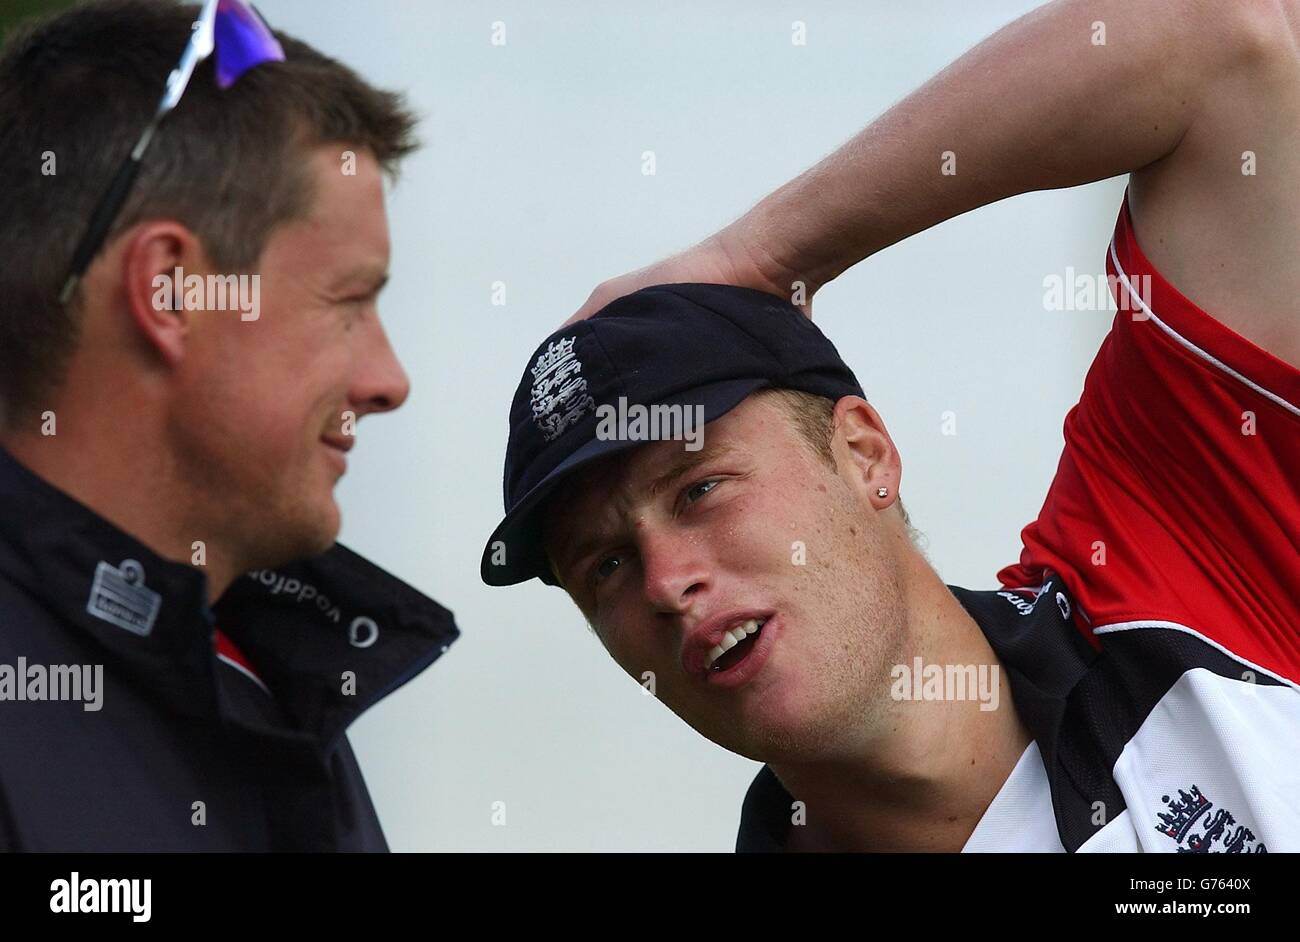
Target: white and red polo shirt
[[1174, 522]]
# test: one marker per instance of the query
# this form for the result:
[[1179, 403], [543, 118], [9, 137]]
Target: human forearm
[[1036, 106]]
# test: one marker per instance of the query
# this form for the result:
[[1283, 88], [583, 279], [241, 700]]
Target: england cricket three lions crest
[[1200, 828], [560, 395]]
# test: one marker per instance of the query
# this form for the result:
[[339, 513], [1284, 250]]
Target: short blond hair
[[813, 417]]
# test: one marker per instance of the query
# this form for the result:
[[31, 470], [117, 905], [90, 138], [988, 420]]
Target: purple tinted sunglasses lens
[[242, 40]]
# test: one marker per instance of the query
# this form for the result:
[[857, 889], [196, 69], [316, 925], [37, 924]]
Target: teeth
[[732, 638]]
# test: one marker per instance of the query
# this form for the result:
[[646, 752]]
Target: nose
[[674, 567], [380, 384]]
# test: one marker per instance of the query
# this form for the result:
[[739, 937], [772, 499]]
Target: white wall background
[[532, 176]]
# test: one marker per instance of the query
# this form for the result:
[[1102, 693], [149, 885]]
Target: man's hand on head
[[729, 257]]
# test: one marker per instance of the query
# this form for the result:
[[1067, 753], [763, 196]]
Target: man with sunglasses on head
[[188, 337], [1146, 645]]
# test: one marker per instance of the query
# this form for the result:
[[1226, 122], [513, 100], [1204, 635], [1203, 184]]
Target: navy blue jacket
[[188, 750]]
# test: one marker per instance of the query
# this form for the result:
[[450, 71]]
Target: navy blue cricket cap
[[686, 344]]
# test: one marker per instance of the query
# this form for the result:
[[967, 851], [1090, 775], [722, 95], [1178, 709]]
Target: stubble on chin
[[305, 524], [267, 516], [840, 650]]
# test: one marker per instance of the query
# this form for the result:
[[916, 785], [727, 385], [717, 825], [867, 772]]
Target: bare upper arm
[[1220, 215]]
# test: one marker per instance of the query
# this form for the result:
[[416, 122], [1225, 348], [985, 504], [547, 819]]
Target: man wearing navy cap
[[1135, 685], [765, 587], [767, 580]]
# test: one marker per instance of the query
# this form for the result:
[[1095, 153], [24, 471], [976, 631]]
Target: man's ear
[[157, 258], [864, 452]]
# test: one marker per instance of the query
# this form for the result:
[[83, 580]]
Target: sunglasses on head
[[241, 39]]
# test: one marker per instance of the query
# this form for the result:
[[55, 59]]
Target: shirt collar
[[1040, 651], [330, 635]]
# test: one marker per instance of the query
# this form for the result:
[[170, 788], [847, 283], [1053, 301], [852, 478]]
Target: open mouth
[[736, 645]]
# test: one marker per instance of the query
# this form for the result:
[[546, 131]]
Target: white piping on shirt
[[1290, 407], [1175, 626]]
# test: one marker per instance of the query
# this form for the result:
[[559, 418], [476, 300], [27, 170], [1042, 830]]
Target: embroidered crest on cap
[[560, 395], [120, 597]]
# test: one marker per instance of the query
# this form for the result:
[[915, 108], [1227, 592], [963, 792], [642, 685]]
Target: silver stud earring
[[882, 492]]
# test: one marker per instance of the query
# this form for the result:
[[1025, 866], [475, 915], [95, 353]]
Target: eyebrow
[[683, 466], [689, 461], [374, 280]]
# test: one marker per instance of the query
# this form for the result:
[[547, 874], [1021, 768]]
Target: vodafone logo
[[363, 632]]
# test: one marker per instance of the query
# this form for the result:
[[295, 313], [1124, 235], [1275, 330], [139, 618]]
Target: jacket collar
[[330, 635]]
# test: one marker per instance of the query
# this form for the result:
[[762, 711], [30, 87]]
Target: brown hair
[[76, 90]]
